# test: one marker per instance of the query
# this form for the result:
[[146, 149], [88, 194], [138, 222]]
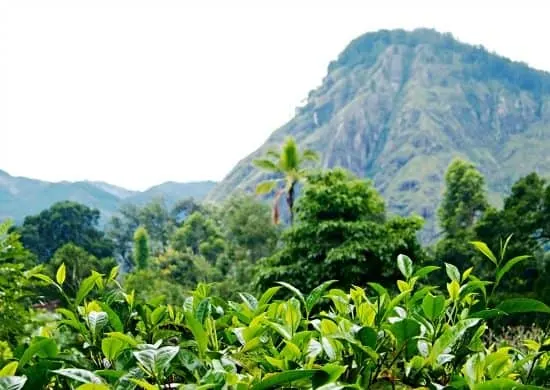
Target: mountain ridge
[[21, 196], [397, 106]]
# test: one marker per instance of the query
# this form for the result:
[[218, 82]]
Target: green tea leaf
[[12, 382], [123, 337], [296, 292], [483, 248], [198, 332], [112, 347], [85, 287], [508, 266], [60, 275], [9, 369], [114, 319], [97, 321], [424, 271], [284, 378], [433, 306], [44, 347], [93, 386], [79, 375], [405, 265], [316, 294], [452, 272], [523, 305]]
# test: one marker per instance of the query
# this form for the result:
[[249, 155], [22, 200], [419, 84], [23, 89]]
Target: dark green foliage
[[341, 233], [141, 248], [63, 223], [79, 265], [463, 203]]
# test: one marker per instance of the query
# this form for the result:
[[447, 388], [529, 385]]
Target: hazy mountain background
[[398, 106], [20, 196]]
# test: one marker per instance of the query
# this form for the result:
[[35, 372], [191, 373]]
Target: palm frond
[[266, 187], [266, 164], [310, 155], [290, 157]]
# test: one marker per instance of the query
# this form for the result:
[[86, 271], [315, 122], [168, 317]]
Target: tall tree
[[141, 248], [287, 165], [341, 232], [63, 223], [463, 203]]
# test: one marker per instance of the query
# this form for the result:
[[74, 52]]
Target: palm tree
[[288, 163]]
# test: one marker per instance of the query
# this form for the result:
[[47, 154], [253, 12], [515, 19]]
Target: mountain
[[21, 196], [397, 106]]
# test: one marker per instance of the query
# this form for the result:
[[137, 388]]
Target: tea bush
[[421, 336]]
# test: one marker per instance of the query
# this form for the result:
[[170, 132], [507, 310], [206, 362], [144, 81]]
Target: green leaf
[[488, 314], [112, 347], [523, 305], [268, 295], [334, 371], [249, 300], [483, 248], [284, 378], [449, 338], [405, 265], [114, 273], [405, 332], [296, 292], [267, 165], [12, 382], [265, 187], [508, 266], [123, 337], [284, 332], [203, 310], [146, 385], [79, 375], [316, 294], [43, 347], [97, 321], [114, 319], [199, 334], [85, 287], [452, 272], [9, 369], [156, 361], [502, 384], [380, 290], [433, 307], [426, 271], [60, 275], [367, 336], [93, 386]]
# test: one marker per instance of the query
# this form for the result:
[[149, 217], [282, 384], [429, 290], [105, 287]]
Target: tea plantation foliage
[[342, 296]]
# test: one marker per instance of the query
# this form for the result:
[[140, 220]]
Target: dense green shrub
[[420, 336]]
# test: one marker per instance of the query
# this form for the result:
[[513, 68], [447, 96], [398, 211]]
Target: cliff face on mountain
[[398, 106]]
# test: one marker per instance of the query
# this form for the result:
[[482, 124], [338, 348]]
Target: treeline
[[336, 229]]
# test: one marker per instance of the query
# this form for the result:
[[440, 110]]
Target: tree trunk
[[290, 202]]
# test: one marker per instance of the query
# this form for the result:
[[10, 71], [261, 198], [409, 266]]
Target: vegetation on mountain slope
[[397, 107]]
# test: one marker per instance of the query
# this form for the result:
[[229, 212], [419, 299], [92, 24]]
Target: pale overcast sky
[[140, 92]]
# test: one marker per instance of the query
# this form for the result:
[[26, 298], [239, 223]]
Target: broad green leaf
[[43, 347], [380, 290], [163, 357], [267, 295], [296, 292], [453, 289], [503, 384], [433, 306], [367, 336], [426, 271], [142, 383], [114, 319], [488, 314], [329, 347], [508, 266], [483, 248], [79, 375], [316, 294], [283, 331], [523, 305], [60, 275], [334, 371], [158, 314], [449, 338], [123, 337], [281, 379], [405, 331], [198, 331], [97, 321], [452, 272], [85, 287], [12, 382], [93, 386], [112, 347], [405, 265], [9, 369], [403, 286], [249, 301]]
